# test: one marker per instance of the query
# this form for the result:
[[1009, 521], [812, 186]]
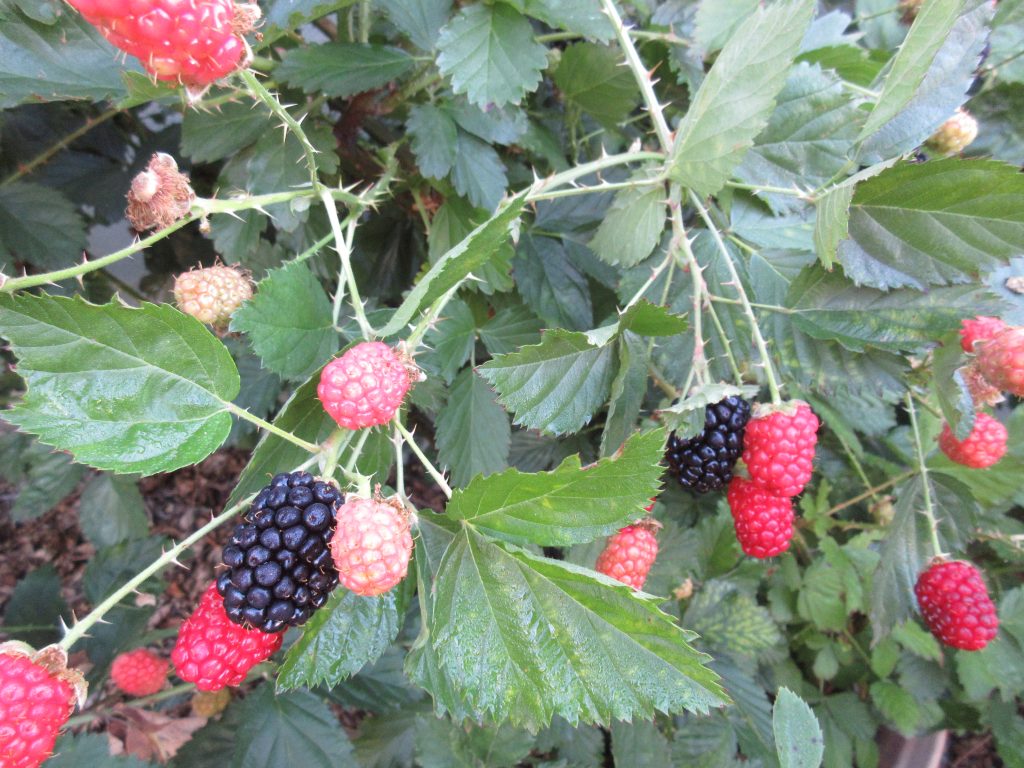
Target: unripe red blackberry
[[1001, 361], [630, 553], [779, 445], [979, 329], [372, 545], [955, 605], [763, 522], [983, 447], [140, 672], [212, 294], [365, 387], [279, 565]]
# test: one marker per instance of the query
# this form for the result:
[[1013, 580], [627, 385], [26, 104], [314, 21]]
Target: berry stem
[[78, 631], [257, 89], [929, 509], [655, 274], [681, 240], [427, 465], [603, 187], [762, 347], [346, 278], [332, 449], [872, 491], [266, 425], [167, 693], [585, 169]]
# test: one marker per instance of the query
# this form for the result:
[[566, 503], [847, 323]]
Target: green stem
[[167, 693], [726, 343], [605, 187], [415, 338], [343, 245], [640, 75], [427, 465], [655, 274], [699, 368], [364, 21], [870, 492], [262, 94], [332, 449], [791, 191], [585, 169], [929, 509], [78, 631], [266, 425], [45, 156], [762, 347]]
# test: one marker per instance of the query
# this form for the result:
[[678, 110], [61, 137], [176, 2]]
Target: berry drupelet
[[279, 564], [705, 462]]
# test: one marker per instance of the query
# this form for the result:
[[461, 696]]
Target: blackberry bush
[[387, 320]]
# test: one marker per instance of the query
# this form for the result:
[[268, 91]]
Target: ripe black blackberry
[[704, 463], [279, 563]]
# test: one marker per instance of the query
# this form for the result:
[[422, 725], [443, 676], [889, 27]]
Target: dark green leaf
[[478, 173], [627, 394], [90, 750], [441, 743], [569, 505], [40, 226], [555, 386], [347, 633], [434, 135], [388, 741], [933, 223], [490, 55], [511, 327], [421, 20], [903, 556], [212, 135], [343, 69], [632, 227], [51, 476], [551, 285], [473, 432], [798, 736], [291, 343], [593, 78], [453, 339], [639, 745], [111, 510], [35, 610], [143, 390], [586, 18], [716, 21], [646, 319]]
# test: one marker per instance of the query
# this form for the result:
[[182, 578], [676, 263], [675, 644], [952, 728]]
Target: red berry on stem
[[983, 447], [365, 386], [37, 696], [629, 554], [778, 448], [213, 652], [371, 545], [194, 42], [140, 672], [980, 328], [1001, 361], [764, 522], [956, 606]]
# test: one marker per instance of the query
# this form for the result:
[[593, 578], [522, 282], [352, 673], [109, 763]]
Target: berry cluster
[[279, 568], [956, 606], [778, 451], [704, 463], [194, 42]]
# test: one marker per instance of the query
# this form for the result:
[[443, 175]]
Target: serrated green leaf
[[551, 284], [343, 69], [555, 386], [50, 477], [798, 737], [917, 640], [500, 613], [897, 706], [294, 728], [510, 328], [686, 417], [628, 390], [716, 21], [347, 633], [421, 20], [639, 745], [381, 687], [569, 505], [832, 224], [578, 747], [434, 136], [294, 343], [55, 62], [477, 172], [903, 554], [218, 133], [730, 621], [592, 77], [933, 223], [647, 319], [111, 510], [829, 307], [943, 88], [452, 340], [471, 253], [807, 139], [35, 609], [291, 14], [931, 27], [495, 125], [473, 433], [441, 743], [90, 750], [456, 219], [704, 742], [632, 227], [40, 226], [213, 745], [489, 53], [736, 98], [142, 390], [585, 18], [390, 741]]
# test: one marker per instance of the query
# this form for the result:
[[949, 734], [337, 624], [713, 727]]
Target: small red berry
[[365, 386], [1001, 361], [371, 545], [778, 448], [764, 523], [629, 554], [194, 42], [983, 447], [140, 672], [980, 328], [37, 696], [213, 652], [956, 606]]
